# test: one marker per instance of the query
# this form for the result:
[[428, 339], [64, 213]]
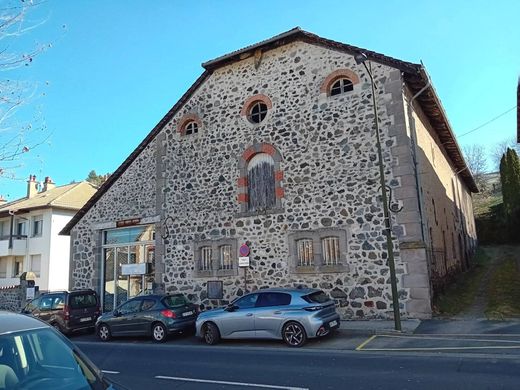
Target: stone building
[[274, 146]]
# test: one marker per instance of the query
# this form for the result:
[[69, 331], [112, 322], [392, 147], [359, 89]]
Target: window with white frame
[[330, 250], [20, 228], [36, 264], [226, 261], [305, 252], [3, 267], [205, 258], [37, 226], [17, 267]]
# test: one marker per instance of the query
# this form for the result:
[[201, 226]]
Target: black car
[[35, 356], [67, 311], [149, 315]]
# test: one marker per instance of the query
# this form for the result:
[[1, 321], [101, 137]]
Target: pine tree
[[504, 179], [514, 175]]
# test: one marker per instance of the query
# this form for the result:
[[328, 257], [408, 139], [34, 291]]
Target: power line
[[488, 122]]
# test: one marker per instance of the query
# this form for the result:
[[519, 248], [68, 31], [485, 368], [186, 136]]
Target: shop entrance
[[128, 266]]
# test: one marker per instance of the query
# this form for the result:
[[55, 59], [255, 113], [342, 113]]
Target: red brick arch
[[253, 99], [334, 76], [181, 124]]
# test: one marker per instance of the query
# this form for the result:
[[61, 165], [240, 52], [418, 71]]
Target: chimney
[[32, 186], [48, 184], [2, 202]]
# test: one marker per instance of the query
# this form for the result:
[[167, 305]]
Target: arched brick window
[[260, 181], [189, 124], [338, 82]]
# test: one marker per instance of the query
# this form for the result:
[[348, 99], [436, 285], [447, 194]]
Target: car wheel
[[159, 332], [211, 333], [104, 332], [294, 334]]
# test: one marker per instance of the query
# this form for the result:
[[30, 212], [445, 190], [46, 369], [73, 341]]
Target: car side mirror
[[231, 308], [116, 313]]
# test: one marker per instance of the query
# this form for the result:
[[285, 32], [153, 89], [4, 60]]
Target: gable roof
[[69, 197], [414, 74]]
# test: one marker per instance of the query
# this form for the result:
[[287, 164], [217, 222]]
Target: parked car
[[35, 356], [149, 315], [293, 315], [67, 311]]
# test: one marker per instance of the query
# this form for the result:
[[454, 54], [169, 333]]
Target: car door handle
[[249, 314]]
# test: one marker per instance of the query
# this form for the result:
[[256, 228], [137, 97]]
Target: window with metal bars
[[257, 112], [330, 250], [205, 258], [341, 86], [305, 252], [226, 261]]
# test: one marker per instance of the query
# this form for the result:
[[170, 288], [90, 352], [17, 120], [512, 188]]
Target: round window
[[257, 112]]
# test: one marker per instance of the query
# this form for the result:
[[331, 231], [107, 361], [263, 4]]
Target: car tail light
[[97, 313], [66, 313], [313, 308], [168, 313]]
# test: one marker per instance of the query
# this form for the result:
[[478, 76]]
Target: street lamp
[[361, 58]]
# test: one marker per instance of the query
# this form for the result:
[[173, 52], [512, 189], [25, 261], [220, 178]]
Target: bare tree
[[17, 137], [475, 156], [498, 150]]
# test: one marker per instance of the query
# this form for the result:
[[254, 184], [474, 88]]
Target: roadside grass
[[460, 294], [504, 292]]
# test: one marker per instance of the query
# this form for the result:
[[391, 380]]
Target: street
[[375, 362]]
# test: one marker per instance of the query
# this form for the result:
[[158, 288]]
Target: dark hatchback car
[[34, 356], [149, 315], [67, 311]]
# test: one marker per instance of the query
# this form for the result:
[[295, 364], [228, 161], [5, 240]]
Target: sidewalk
[[371, 327]]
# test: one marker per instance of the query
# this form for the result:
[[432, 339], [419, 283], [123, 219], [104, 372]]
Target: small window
[[316, 297], [20, 229], [257, 112], [305, 252], [191, 128], [38, 226], [46, 303], [330, 248], [225, 257], [205, 258], [18, 266], [177, 300], [340, 86], [273, 299], [59, 302], [36, 264]]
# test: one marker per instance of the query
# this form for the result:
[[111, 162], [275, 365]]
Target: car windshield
[[40, 359], [175, 300]]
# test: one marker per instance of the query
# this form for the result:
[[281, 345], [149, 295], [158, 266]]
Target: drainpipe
[[413, 133]]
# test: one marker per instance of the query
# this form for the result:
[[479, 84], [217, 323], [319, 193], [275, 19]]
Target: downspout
[[413, 137]]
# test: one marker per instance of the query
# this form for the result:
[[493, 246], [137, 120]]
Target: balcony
[[19, 246]]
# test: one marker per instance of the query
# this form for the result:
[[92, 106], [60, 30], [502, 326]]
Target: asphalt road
[[143, 365]]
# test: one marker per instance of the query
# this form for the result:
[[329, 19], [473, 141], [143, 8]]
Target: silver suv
[[293, 315]]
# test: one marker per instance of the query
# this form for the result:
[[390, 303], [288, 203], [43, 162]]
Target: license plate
[[85, 319], [187, 313], [333, 323]]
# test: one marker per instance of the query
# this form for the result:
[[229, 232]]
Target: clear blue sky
[[119, 66]]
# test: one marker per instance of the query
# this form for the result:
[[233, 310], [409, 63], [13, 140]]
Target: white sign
[[243, 261], [133, 269], [30, 292]]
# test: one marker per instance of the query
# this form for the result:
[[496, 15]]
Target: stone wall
[[330, 181], [12, 298]]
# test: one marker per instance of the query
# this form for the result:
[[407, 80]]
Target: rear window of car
[[316, 297], [175, 301], [81, 301]]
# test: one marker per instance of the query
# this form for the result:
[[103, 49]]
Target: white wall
[[59, 252]]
